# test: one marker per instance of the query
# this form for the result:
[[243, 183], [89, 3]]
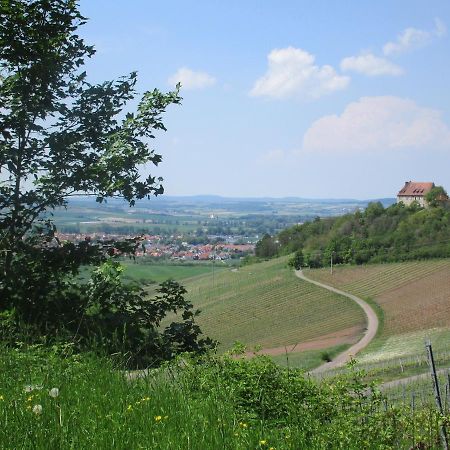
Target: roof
[[415, 188]]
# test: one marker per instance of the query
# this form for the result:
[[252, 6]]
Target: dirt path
[[371, 330], [407, 380], [345, 336]]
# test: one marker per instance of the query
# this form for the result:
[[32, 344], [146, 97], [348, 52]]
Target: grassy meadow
[[157, 273], [265, 305], [52, 399]]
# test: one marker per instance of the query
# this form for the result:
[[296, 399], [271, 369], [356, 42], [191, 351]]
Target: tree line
[[374, 235]]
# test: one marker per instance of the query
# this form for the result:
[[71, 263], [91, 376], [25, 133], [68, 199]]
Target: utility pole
[[213, 263]]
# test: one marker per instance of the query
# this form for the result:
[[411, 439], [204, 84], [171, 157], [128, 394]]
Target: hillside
[[265, 304], [377, 234], [414, 300]]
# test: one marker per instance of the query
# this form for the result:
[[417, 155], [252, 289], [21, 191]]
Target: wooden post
[[448, 389], [437, 394], [413, 413]]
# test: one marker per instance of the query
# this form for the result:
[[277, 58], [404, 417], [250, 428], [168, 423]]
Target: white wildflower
[[37, 409], [54, 392], [32, 387]]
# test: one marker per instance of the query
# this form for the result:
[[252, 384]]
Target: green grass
[[265, 304], [219, 404], [407, 345], [309, 359], [156, 273], [98, 408]]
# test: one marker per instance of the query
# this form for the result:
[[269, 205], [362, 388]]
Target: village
[[174, 247]]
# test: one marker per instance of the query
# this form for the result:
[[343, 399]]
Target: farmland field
[[414, 298], [266, 304], [156, 273]]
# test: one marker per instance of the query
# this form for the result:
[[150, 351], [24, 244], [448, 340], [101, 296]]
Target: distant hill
[[376, 234], [217, 200]]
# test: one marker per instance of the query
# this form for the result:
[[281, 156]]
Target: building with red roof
[[414, 191]]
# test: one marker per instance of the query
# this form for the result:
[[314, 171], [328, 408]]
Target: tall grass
[[214, 403]]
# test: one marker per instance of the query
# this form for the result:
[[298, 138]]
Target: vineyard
[[266, 305], [414, 300]]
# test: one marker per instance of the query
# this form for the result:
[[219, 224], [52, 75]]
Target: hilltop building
[[414, 191]]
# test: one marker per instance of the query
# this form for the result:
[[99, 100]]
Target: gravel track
[[371, 330]]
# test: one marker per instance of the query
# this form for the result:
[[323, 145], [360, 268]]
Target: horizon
[[225, 197]]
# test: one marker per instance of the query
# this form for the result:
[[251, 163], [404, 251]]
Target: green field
[[309, 358], [266, 304], [157, 273]]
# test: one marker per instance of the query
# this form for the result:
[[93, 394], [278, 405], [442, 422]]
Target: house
[[414, 191]]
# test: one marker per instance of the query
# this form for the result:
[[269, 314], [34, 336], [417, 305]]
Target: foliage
[[266, 247], [437, 197], [297, 260], [378, 234], [204, 404], [62, 136], [108, 316]]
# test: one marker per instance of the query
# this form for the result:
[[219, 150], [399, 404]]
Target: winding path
[[371, 330]]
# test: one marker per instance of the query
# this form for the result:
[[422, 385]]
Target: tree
[[266, 247], [62, 136], [436, 197], [297, 261]]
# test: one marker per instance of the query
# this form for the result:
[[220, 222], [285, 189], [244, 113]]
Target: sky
[[315, 99]]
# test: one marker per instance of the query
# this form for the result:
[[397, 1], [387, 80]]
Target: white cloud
[[371, 65], [292, 72], [190, 79], [377, 124], [413, 38]]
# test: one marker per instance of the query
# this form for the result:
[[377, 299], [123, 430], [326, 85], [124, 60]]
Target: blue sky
[[288, 98]]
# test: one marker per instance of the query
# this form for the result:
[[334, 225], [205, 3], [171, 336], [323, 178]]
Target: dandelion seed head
[[37, 409], [54, 392], [32, 387]]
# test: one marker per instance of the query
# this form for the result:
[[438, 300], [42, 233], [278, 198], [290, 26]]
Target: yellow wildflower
[[30, 398], [243, 425], [262, 442], [1, 397], [158, 418], [129, 408]]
